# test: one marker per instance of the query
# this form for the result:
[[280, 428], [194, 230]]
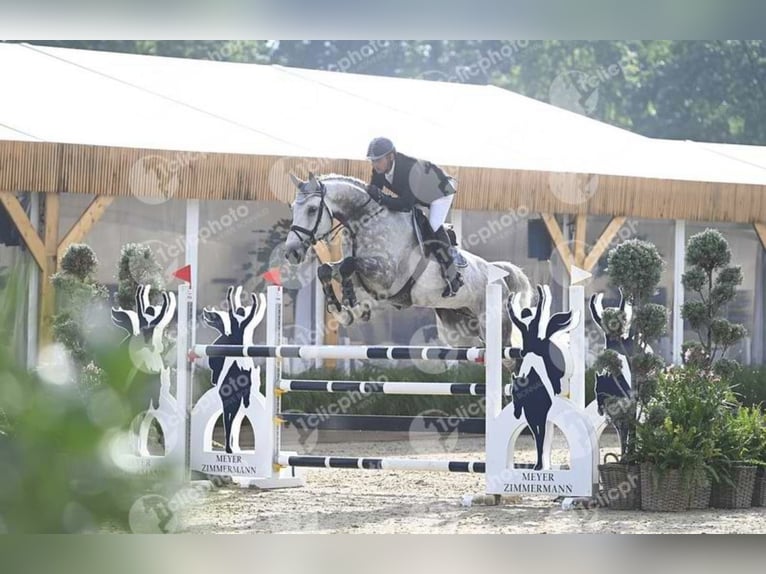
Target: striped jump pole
[[387, 388], [371, 463], [474, 354]]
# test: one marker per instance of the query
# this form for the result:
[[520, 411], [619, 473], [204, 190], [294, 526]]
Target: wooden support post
[[603, 243], [84, 225], [27, 231], [557, 236], [760, 229], [48, 294], [581, 223]]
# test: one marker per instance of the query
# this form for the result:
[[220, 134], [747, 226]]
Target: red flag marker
[[273, 276], [184, 274]]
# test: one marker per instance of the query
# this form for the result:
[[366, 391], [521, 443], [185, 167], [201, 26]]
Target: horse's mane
[[346, 178]]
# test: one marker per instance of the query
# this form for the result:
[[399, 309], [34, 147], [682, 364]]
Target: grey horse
[[384, 261]]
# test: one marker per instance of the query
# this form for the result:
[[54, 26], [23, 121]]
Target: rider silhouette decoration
[[417, 182]]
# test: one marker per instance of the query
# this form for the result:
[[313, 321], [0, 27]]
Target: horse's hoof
[[347, 318], [228, 450], [538, 466], [332, 308]]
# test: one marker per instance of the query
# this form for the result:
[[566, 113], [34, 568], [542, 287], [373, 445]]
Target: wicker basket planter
[[663, 491], [621, 485], [740, 495], [759, 492], [700, 490]]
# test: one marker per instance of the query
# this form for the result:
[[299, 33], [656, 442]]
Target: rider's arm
[[394, 203]]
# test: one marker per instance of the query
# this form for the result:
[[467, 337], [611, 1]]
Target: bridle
[[308, 237]]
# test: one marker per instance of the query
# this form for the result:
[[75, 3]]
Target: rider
[[417, 182]]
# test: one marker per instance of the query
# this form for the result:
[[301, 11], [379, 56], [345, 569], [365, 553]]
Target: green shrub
[[749, 384], [682, 420], [57, 475]]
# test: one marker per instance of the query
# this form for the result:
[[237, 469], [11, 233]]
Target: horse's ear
[[297, 182], [312, 177]]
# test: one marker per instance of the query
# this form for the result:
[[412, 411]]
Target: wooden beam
[[603, 243], [558, 239], [85, 224], [48, 294], [760, 229], [581, 223], [26, 230]]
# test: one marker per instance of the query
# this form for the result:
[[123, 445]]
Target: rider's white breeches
[[437, 213]]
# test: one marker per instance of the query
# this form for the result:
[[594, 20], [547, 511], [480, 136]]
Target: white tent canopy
[[123, 100]]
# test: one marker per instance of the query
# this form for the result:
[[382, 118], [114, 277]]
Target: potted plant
[[759, 449], [676, 442], [738, 440], [635, 268]]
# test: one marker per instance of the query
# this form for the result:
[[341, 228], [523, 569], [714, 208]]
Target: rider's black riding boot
[[443, 236], [441, 247]]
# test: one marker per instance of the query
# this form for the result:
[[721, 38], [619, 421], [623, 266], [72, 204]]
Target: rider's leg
[[437, 214], [438, 210]]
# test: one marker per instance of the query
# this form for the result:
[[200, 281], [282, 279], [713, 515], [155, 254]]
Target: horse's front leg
[[349, 282], [324, 274], [334, 307], [347, 269]]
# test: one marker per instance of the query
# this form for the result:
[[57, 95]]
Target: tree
[[634, 267], [714, 282], [80, 302], [138, 266]]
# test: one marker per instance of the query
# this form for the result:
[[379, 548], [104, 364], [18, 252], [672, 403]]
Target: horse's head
[[312, 218]]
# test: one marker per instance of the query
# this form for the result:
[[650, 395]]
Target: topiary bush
[[635, 267], [80, 298], [137, 266], [713, 282]]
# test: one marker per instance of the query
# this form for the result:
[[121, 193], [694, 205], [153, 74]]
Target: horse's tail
[[516, 281]]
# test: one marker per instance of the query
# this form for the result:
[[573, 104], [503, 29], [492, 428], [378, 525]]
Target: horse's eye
[[312, 210]]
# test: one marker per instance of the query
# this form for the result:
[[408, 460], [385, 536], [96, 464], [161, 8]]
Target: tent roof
[[124, 100]]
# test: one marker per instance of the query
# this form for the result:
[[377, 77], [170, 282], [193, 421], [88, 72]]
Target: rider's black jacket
[[415, 182]]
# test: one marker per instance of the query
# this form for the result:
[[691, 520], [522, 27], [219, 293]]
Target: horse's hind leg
[[458, 327]]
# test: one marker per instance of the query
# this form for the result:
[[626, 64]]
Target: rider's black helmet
[[379, 147]]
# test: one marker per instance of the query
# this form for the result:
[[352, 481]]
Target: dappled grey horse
[[384, 262]]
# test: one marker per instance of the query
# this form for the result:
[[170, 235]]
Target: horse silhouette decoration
[[233, 375], [544, 363], [621, 341], [145, 328], [384, 262]]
